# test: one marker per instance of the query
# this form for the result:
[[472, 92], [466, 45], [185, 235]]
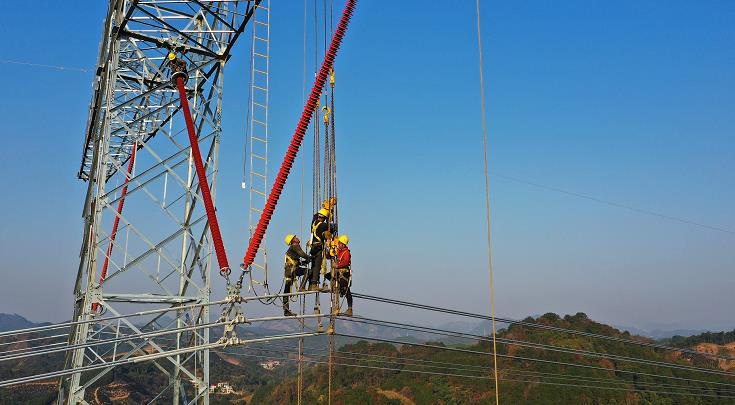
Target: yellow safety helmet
[[344, 239], [289, 239], [323, 212], [171, 56]]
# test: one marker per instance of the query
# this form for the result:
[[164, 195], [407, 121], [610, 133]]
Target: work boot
[[348, 312], [287, 312]]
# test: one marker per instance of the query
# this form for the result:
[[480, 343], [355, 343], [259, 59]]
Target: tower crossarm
[[131, 82]]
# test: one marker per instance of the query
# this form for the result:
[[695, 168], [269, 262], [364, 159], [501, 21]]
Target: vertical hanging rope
[[298, 135], [487, 204], [316, 194], [333, 144], [302, 301]]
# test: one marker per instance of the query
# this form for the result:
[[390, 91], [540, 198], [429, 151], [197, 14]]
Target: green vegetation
[[409, 373], [521, 381], [719, 338]]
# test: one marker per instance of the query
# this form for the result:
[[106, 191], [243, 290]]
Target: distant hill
[[659, 333], [720, 338], [14, 321]]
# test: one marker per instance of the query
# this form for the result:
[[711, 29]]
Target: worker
[[321, 231], [295, 266], [178, 67], [343, 270]]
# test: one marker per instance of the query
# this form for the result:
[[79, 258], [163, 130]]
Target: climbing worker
[[178, 67], [343, 268], [320, 232], [295, 266]]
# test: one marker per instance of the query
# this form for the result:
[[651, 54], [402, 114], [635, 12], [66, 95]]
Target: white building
[[222, 388], [270, 364]]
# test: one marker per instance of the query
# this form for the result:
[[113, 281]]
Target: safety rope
[[298, 135], [330, 170], [219, 247], [487, 205], [333, 145], [302, 299], [329, 180]]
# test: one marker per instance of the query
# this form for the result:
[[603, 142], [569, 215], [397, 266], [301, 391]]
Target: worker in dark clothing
[[321, 231], [295, 266], [178, 67], [343, 270]]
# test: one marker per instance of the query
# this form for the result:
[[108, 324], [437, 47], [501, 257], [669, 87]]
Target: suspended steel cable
[[532, 359], [303, 294], [510, 321], [137, 359], [61, 335], [522, 343], [146, 336], [47, 350], [302, 300], [445, 374], [109, 318], [143, 313], [545, 361], [604, 369], [41, 65], [429, 330], [613, 204], [32, 348], [403, 361]]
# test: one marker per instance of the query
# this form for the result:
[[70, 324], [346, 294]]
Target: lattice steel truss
[[160, 255]]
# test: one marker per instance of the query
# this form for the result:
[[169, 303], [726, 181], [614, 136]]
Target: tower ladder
[[258, 126]]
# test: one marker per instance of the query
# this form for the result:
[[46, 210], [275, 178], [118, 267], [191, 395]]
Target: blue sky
[[626, 102]]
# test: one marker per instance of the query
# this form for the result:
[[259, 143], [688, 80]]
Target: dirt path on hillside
[[390, 394]]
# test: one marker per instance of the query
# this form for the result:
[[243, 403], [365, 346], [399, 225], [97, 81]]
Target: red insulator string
[[298, 135], [219, 246], [116, 224]]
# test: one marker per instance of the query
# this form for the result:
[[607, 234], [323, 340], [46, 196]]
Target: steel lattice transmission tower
[[146, 243]]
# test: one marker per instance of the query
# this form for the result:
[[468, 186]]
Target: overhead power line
[[423, 330], [484, 377], [41, 65], [532, 359], [532, 345], [137, 359], [614, 204], [148, 336], [536, 325], [144, 313], [410, 361]]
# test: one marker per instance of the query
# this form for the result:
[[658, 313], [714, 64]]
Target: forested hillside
[[381, 373], [538, 364]]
